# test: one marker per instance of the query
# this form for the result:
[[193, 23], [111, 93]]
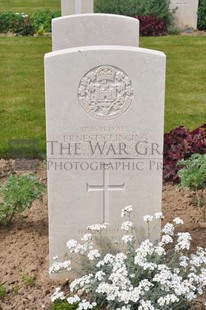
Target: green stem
[[198, 198], [199, 205], [204, 206], [12, 214]]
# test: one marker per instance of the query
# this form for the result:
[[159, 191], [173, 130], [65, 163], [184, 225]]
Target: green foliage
[[157, 8], [121, 7], [193, 173], [63, 305], [2, 290], [15, 289], [201, 22], [172, 30], [15, 22], [41, 20], [28, 279], [18, 194], [22, 24], [193, 176]]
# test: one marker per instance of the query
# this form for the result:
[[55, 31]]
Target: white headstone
[[70, 7], [105, 111], [84, 30], [185, 13]]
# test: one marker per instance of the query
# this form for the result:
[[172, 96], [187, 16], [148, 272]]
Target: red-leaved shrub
[[179, 144], [152, 26]]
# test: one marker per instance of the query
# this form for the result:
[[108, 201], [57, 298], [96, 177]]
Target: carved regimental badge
[[105, 92]]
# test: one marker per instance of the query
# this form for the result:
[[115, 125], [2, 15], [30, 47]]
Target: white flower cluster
[[74, 299], [22, 14], [81, 283], [150, 218], [83, 305], [178, 221], [167, 300], [58, 294], [58, 266], [147, 277], [126, 211], [128, 238], [128, 225], [97, 227], [93, 254], [183, 241], [77, 248]]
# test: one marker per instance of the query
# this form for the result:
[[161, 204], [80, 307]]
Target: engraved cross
[[182, 3], [105, 188], [78, 6]]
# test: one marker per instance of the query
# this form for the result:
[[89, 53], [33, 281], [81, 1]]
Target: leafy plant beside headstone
[[41, 20], [181, 143], [152, 26], [155, 12], [157, 8], [193, 176], [18, 194], [201, 21], [63, 305]]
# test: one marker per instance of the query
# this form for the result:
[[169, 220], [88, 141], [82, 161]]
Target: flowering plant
[[193, 176], [151, 276]]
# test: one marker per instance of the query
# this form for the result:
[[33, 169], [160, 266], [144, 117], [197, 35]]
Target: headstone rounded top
[[97, 15], [94, 29]]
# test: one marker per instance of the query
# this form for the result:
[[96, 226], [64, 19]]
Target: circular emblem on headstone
[[105, 92]]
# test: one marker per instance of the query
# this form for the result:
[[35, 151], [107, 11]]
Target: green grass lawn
[[29, 6], [186, 75], [22, 109]]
